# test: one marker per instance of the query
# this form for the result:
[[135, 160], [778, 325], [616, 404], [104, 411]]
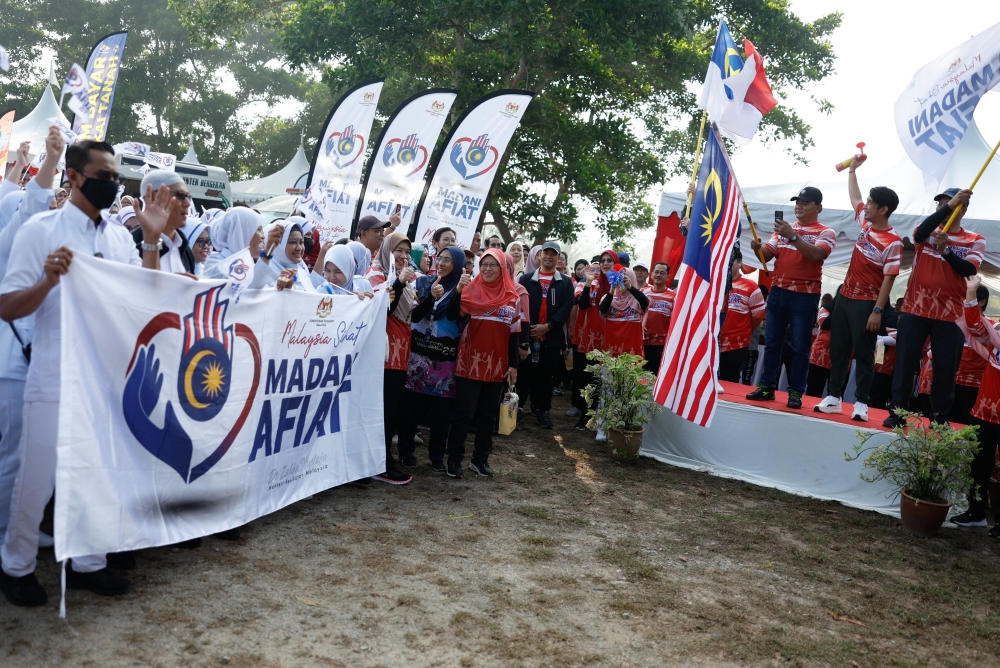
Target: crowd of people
[[467, 326]]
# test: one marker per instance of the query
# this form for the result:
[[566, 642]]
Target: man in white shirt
[[43, 251], [176, 255]]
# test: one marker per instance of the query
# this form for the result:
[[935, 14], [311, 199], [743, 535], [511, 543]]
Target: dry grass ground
[[566, 558]]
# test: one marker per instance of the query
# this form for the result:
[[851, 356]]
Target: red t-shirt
[[970, 370], [820, 352], [623, 333], [543, 312], [876, 255], [657, 321], [987, 406], [400, 334], [792, 271], [590, 326], [482, 349], [935, 290], [746, 303]]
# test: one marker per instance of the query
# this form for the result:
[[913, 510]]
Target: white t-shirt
[[39, 237]]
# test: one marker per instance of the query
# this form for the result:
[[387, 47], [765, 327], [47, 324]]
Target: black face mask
[[99, 192], [308, 240]]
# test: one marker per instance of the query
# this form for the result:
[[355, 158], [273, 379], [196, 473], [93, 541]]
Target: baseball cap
[[624, 259], [551, 245], [808, 194], [641, 264], [370, 223], [949, 193]]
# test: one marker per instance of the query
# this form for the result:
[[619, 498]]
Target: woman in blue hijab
[[430, 377]]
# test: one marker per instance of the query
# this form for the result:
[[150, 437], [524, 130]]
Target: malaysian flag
[[686, 384]]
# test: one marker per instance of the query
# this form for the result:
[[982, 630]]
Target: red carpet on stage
[[737, 394]]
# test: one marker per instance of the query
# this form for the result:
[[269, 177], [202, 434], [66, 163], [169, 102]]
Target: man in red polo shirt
[[934, 302], [800, 249], [857, 311], [656, 322], [745, 313]]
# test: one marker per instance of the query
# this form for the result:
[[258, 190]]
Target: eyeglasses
[[607, 261], [203, 242], [181, 196], [496, 244]]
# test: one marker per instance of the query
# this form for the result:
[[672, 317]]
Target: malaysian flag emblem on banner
[[686, 384]]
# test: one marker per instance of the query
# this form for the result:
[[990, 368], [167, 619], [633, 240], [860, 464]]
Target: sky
[[879, 46]]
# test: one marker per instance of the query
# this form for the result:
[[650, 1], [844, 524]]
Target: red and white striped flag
[[687, 380]]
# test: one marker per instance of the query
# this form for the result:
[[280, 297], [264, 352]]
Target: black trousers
[[848, 333], [816, 380], [392, 398], [881, 392], [731, 364], [581, 378], [654, 355], [965, 401], [539, 376], [751, 365], [435, 412], [476, 403], [982, 468], [946, 346]]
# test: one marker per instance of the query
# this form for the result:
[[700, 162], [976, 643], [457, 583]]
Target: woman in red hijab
[[488, 354], [622, 308]]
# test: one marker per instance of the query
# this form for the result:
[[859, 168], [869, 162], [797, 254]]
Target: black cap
[[551, 245], [947, 194], [370, 223], [809, 194]]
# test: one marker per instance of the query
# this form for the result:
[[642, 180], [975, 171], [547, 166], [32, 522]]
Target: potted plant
[[927, 463], [623, 390]]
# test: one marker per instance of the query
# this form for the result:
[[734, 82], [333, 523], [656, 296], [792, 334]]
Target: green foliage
[[623, 389], [929, 463], [614, 112]]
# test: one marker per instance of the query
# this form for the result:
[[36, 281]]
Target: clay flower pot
[[921, 518], [625, 444]]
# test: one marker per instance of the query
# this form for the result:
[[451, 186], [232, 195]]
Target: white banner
[[463, 175], [340, 157], [934, 111], [77, 84], [164, 161], [396, 170], [189, 414]]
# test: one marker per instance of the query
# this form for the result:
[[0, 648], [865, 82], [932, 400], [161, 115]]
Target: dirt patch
[[565, 558]]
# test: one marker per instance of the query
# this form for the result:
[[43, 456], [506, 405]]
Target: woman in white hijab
[[516, 251], [199, 239], [287, 257], [241, 228], [339, 272], [362, 257]]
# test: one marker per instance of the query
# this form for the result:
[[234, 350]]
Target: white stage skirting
[[794, 453]]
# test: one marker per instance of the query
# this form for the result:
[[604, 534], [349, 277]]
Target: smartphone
[[399, 207], [779, 215]]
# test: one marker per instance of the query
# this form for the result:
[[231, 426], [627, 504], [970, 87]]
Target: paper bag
[[508, 413]]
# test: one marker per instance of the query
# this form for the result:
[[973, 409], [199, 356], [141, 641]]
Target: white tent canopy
[[258, 190], [35, 126], [903, 177]]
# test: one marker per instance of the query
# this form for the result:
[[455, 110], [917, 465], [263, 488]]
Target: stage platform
[[766, 443]]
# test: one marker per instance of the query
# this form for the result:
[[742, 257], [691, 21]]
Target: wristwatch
[[152, 247], [792, 239], [946, 251], [524, 346], [263, 254], [877, 309]]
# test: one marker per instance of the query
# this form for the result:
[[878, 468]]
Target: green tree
[[22, 36], [614, 111]]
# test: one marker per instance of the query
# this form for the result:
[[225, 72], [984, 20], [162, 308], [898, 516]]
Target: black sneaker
[[794, 399], [535, 411], [122, 561], [893, 421], [581, 424], [24, 592], [969, 519], [454, 468], [481, 468], [409, 462], [228, 534], [438, 466], [545, 420], [993, 533], [762, 393], [394, 477], [102, 582]]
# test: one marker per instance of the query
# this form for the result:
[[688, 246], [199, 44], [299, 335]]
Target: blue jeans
[[796, 313]]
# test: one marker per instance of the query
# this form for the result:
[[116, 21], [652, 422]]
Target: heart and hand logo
[[476, 154], [204, 379], [345, 147], [404, 156]]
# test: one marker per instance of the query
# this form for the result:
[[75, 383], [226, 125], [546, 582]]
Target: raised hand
[[57, 264], [437, 290], [22, 154], [627, 284], [857, 162], [286, 279], [941, 241], [274, 238], [588, 273], [465, 280], [405, 276], [961, 199], [153, 219], [54, 144], [321, 257], [395, 219]]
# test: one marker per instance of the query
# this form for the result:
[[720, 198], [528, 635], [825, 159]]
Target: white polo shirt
[[171, 260], [40, 236]]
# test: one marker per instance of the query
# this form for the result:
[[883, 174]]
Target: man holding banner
[[42, 252]]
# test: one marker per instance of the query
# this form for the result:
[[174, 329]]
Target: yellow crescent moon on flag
[[188, 390], [729, 67], [711, 183]]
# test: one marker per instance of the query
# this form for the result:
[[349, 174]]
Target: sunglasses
[[203, 242]]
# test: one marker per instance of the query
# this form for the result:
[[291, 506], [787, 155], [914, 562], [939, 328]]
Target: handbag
[[508, 412], [25, 349]]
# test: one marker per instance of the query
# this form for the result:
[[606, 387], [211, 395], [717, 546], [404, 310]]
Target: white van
[[209, 185]]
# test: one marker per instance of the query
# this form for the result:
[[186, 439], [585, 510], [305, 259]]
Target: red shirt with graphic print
[[590, 326], [876, 255], [987, 406], [656, 323], [400, 334], [746, 303], [935, 290], [819, 354], [482, 349], [792, 271]]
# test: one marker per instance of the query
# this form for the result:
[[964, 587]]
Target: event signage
[[77, 86], [395, 175], [209, 413], [6, 129], [467, 164], [102, 73], [340, 156], [935, 109]]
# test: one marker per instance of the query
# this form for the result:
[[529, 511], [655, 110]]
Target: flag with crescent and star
[[687, 379]]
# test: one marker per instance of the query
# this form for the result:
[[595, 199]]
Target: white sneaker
[[860, 412], [829, 405]]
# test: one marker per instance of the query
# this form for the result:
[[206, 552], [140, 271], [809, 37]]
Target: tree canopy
[[616, 81]]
